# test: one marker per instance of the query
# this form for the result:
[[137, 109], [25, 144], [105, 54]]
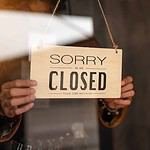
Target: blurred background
[[130, 24]]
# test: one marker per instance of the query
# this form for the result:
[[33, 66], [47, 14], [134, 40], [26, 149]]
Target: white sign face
[[76, 72]]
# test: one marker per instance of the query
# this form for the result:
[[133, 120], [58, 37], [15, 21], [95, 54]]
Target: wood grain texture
[[27, 5], [76, 60], [131, 26]]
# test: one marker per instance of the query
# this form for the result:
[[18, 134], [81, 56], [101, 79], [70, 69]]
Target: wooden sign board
[[76, 72]]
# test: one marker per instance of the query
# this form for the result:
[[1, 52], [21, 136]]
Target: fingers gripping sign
[[127, 93], [17, 97]]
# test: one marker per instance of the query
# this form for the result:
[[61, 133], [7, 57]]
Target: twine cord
[[115, 46], [53, 13]]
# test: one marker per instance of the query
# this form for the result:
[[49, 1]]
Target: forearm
[[9, 72], [8, 126], [110, 118]]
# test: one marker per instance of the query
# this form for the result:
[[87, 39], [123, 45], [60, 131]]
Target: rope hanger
[[114, 45]]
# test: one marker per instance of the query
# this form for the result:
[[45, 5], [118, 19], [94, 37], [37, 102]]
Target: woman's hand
[[17, 97], [127, 93]]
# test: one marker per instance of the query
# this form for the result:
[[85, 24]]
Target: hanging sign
[[76, 72]]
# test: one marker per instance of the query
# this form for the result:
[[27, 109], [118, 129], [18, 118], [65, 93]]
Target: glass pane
[[52, 124]]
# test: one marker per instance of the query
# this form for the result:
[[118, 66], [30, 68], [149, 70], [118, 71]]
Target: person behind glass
[[18, 96]]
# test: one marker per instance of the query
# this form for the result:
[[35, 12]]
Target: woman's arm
[[113, 111], [16, 97]]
